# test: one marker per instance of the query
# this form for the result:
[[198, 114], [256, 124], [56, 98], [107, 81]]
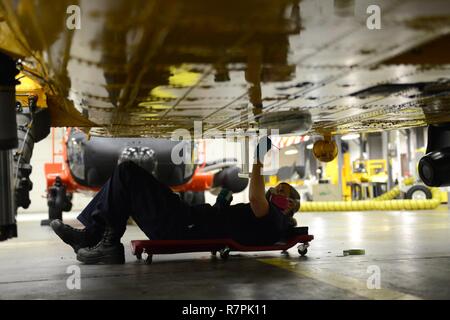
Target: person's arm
[[257, 193]]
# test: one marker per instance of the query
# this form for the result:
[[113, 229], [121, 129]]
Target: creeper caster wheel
[[225, 253], [303, 249]]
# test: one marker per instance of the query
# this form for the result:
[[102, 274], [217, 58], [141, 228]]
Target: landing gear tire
[[53, 213], [418, 192]]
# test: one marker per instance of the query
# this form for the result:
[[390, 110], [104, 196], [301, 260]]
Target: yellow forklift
[[368, 179]]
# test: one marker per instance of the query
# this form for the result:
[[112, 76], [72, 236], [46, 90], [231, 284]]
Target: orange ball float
[[325, 150]]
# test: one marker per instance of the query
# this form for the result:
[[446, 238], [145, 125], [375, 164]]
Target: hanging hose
[[383, 202]]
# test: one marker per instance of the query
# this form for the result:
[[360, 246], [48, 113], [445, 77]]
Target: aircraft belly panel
[[146, 68]]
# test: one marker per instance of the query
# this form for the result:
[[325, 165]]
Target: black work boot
[[108, 251], [76, 238]]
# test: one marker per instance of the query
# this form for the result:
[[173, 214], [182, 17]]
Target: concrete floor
[[410, 249]]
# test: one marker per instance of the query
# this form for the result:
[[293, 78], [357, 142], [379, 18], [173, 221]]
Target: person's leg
[[156, 209], [81, 238], [86, 217], [124, 178], [131, 191]]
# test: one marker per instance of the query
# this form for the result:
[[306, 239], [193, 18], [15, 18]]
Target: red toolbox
[[223, 246]]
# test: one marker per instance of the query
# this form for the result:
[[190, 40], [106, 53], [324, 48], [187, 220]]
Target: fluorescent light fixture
[[310, 146], [291, 152], [350, 136]]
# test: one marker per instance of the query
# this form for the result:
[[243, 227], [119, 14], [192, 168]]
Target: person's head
[[285, 197]]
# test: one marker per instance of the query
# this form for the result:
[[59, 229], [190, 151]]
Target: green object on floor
[[354, 252]]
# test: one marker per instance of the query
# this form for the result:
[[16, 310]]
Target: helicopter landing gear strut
[[58, 200]]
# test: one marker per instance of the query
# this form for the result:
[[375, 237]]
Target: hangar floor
[[410, 249]]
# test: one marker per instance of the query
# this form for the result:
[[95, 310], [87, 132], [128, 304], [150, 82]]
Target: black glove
[[224, 198], [263, 146]]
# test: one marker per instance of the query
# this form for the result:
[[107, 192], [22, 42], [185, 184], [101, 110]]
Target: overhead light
[[291, 152], [310, 146], [350, 136]]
